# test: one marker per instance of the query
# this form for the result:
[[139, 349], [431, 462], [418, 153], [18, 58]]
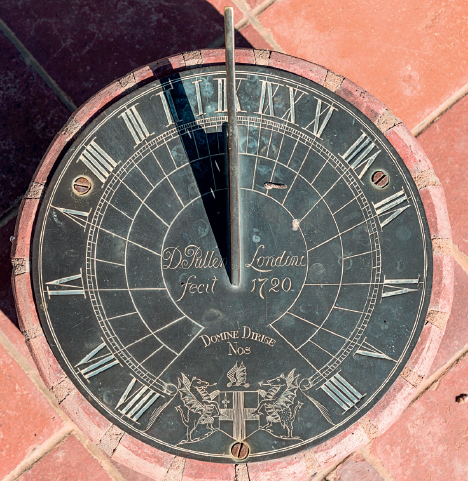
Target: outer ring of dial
[[129, 451]]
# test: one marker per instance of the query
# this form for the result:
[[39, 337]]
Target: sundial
[[230, 261]]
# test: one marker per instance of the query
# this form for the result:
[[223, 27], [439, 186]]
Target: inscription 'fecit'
[[191, 257], [260, 262]]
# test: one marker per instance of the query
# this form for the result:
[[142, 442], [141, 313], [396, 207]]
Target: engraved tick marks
[[384, 209], [355, 156], [135, 124], [95, 363], [342, 392], [98, 161], [63, 285]]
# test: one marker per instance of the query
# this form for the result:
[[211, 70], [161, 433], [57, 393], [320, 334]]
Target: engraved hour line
[[166, 176], [222, 96], [361, 148], [63, 282], [135, 124], [317, 127], [387, 204], [347, 204], [138, 402], [125, 239], [146, 336], [389, 283], [347, 309], [360, 254], [342, 232], [295, 178], [323, 195], [256, 157], [342, 392], [75, 216], [150, 334], [319, 327], [98, 161], [98, 366], [170, 154], [117, 209], [296, 350], [276, 160], [143, 202]]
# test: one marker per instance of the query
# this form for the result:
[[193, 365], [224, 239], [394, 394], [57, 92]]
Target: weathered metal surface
[[132, 284]]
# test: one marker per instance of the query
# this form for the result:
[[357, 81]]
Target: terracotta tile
[[197, 470], [254, 3], [430, 440], [15, 337], [7, 303], [446, 144], [31, 114], [254, 38], [130, 474], [84, 45], [410, 55], [220, 4], [355, 468], [26, 418], [456, 332], [69, 461]]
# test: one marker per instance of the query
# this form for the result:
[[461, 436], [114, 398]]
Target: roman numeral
[[294, 98], [342, 392], [323, 113], [97, 159], [383, 208], [135, 125], [222, 96], [66, 283], [196, 83], [394, 285], [168, 106], [97, 363], [366, 349], [356, 154], [78, 217], [135, 402], [270, 91]]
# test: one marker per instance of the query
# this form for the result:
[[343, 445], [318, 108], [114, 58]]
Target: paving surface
[[409, 54]]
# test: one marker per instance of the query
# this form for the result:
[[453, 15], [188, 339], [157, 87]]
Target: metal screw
[[82, 185], [239, 451], [380, 179]]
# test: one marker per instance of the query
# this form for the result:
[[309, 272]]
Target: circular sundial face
[[131, 265]]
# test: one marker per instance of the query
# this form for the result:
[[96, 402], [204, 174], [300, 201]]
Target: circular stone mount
[[154, 463]]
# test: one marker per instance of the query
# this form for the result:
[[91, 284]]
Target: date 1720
[[272, 285]]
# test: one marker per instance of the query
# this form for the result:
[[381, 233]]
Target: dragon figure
[[201, 409], [278, 402]]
